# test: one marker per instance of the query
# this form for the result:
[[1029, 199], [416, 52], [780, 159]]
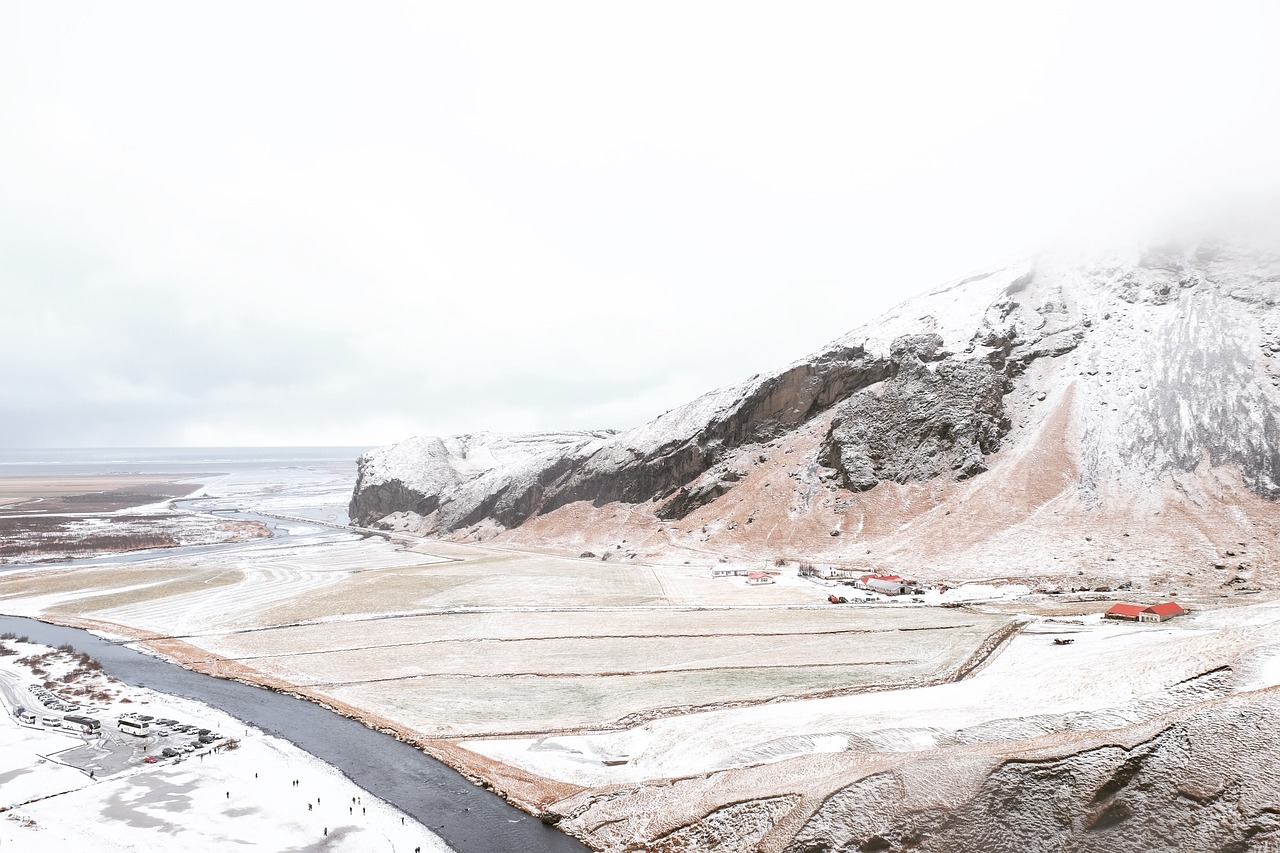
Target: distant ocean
[[53, 462]]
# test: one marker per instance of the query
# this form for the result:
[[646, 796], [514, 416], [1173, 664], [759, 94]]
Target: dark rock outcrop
[[936, 416]]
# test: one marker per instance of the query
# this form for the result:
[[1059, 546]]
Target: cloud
[[292, 224]]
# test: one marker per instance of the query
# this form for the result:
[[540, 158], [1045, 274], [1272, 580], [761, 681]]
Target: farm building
[[1144, 613], [757, 578], [729, 573], [887, 584], [837, 573], [1161, 612], [1125, 612]]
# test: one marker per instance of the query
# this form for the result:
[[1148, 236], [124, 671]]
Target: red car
[[150, 759]]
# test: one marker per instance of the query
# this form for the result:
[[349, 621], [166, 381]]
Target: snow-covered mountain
[[995, 422]]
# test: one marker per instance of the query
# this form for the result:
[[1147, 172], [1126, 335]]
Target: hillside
[[1060, 417]]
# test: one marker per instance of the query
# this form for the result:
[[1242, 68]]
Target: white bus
[[88, 725], [137, 728]]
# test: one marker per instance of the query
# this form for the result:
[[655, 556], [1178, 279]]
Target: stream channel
[[469, 818]]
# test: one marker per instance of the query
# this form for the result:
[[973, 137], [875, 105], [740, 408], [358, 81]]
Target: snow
[[212, 801], [434, 465], [1111, 674]]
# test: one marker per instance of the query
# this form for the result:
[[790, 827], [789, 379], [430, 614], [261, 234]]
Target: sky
[[317, 223]]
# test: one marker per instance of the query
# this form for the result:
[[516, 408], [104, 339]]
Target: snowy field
[[1111, 675]]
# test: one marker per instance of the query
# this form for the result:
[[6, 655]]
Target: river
[[469, 818]]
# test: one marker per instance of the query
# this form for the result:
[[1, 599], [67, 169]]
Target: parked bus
[[88, 725], [137, 728]]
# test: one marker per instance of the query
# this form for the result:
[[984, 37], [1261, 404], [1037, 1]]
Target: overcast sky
[[275, 223]]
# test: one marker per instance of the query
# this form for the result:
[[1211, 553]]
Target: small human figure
[[228, 795], [308, 806], [326, 830], [402, 821], [351, 809], [364, 811]]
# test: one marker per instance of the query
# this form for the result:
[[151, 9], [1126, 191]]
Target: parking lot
[[104, 736]]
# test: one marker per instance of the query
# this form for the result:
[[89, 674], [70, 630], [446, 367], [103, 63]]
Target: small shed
[[1161, 612]]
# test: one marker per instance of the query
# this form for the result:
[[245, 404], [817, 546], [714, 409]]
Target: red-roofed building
[[1143, 613], [1161, 612], [887, 584], [1129, 612], [755, 578]]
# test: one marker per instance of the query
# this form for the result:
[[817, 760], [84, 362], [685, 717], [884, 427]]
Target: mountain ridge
[[1102, 387]]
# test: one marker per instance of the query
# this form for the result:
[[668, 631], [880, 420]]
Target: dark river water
[[468, 818]]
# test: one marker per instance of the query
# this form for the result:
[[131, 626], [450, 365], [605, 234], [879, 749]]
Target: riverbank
[[68, 791], [465, 817]]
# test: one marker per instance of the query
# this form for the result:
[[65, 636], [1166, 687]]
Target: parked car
[[150, 759], [169, 752]]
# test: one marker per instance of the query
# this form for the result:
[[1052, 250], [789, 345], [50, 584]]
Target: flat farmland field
[[589, 622], [472, 642], [460, 706], [469, 674]]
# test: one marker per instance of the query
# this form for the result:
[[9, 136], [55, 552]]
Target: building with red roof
[[887, 584], [1161, 612], [1129, 612], [1144, 613]]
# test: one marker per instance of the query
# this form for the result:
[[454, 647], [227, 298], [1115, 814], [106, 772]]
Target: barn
[[887, 584], [1145, 613], [1161, 612], [1125, 612]]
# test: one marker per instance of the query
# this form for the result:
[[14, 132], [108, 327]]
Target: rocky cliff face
[[935, 417], [1125, 377]]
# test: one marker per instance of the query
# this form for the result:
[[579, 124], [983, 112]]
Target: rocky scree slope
[[1127, 381]]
